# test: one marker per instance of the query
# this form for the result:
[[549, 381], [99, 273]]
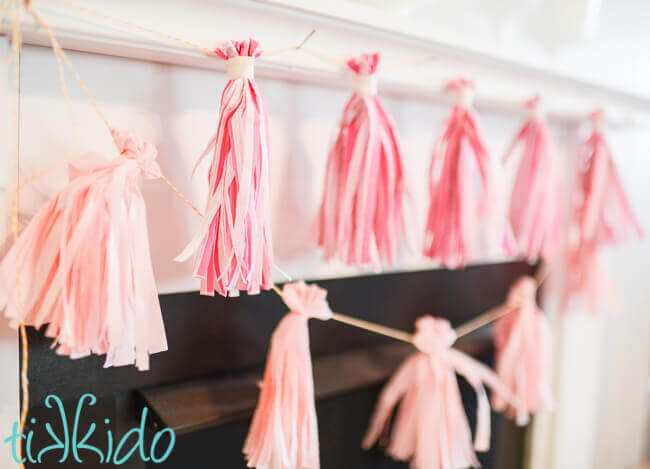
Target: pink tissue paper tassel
[[84, 262], [523, 353], [588, 280], [459, 159], [536, 201], [284, 430], [431, 428], [603, 216], [363, 207], [234, 239]]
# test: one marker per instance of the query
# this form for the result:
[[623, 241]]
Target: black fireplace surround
[[204, 387]]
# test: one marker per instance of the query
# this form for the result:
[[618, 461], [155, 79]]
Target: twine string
[[493, 314], [131, 24], [56, 48], [63, 58], [16, 17], [166, 36], [365, 325], [464, 329]]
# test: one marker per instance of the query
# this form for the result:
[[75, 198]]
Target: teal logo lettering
[[72, 443]]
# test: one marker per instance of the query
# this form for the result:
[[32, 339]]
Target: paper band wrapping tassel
[[284, 430], [86, 268], [233, 244], [365, 199], [456, 209], [431, 429]]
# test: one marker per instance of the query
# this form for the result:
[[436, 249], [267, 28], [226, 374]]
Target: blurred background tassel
[[456, 210], [589, 281], [522, 339], [234, 239], [602, 216], [604, 212], [85, 263], [431, 428], [363, 210], [536, 203], [284, 430]]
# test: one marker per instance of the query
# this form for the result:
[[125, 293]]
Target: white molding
[[569, 97]]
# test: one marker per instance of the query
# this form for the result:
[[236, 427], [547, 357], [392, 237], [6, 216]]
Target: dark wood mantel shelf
[[196, 405]]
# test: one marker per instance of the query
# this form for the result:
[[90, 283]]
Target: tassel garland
[[363, 207], [284, 430], [85, 267], [234, 239]]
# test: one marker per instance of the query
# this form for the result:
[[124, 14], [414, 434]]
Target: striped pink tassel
[[234, 240], [284, 430], [536, 202], [84, 263], [362, 212], [603, 216], [455, 211]]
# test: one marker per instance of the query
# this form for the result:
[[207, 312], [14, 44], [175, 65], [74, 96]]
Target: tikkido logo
[[73, 447]]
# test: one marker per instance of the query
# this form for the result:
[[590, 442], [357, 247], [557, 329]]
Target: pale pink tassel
[[536, 202], [459, 159], [234, 239], [84, 263], [431, 428], [522, 340], [362, 212], [588, 280], [605, 215], [284, 430]]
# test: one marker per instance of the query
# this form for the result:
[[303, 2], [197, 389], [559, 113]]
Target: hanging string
[[493, 314], [290, 48], [410, 63], [56, 48], [14, 57], [181, 195], [366, 325], [62, 57], [163, 35], [479, 321], [210, 51], [114, 19], [340, 61], [325, 57]]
